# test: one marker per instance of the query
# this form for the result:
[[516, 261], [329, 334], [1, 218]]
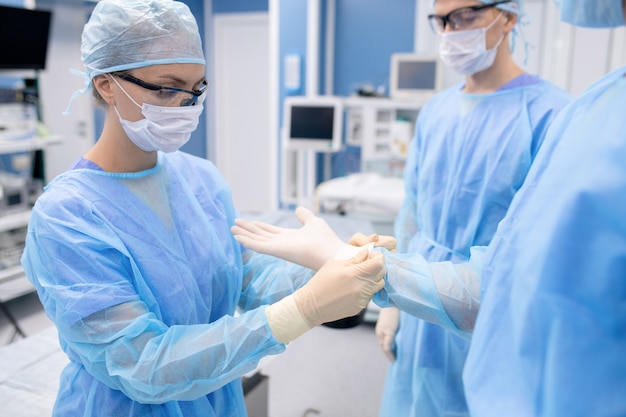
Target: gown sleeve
[[443, 293], [267, 279]]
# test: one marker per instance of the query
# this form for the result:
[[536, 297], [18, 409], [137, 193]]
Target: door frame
[[217, 22]]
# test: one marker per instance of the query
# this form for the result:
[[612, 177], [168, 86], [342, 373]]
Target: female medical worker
[[550, 337], [473, 146], [131, 254]]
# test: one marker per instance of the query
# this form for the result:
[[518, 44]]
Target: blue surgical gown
[[142, 278], [550, 338], [470, 155]]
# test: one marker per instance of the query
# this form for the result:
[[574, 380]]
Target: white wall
[[570, 57], [245, 151]]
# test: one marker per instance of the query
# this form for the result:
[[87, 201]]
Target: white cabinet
[[13, 223], [382, 128], [13, 283]]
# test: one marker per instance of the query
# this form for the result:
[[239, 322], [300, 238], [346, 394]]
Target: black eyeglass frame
[[446, 18], [154, 87]]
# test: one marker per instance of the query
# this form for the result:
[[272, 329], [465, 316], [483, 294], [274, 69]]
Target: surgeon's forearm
[[268, 279], [458, 287], [130, 350], [442, 293]]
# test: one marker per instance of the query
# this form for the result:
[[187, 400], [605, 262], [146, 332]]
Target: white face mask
[[466, 51], [164, 129]]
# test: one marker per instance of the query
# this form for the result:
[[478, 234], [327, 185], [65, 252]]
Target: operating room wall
[[240, 6], [19, 3], [367, 31]]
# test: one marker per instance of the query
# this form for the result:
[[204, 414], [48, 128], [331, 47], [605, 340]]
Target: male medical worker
[[474, 144]]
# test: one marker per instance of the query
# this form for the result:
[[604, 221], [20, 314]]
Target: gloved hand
[[311, 245], [386, 328], [380, 241], [341, 288]]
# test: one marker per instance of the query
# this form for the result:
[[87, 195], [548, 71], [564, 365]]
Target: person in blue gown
[[473, 146], [545, 301], [550, 338], [158, 308]]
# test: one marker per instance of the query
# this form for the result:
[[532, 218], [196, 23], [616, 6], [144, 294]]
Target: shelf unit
[[382, 128], [13, 282], [14, 220], [24, 145]]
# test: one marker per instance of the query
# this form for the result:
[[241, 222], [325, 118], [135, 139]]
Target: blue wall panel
[[368, 32], [238, 6], [292, 40], [197, 143], [12, 3]]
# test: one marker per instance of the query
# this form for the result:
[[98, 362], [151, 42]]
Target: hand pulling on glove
[[341, 288]]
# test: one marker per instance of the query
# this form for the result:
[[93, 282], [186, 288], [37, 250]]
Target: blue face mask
[[592, 13]]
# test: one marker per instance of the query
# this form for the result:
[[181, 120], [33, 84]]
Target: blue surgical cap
[[127, 34], [593, 14]]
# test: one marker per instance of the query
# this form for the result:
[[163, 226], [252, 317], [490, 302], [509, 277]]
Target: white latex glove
[[379, 241], [386, 328], [341, 288], [311, 246]]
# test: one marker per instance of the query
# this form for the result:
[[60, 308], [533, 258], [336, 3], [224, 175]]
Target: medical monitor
[[414, 76], [313, 123], [24, 34]]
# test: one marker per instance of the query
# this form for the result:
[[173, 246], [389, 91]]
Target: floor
[[327, 372], [28, 314]]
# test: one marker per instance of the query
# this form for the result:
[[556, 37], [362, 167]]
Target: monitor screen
[[414, 76], [313, 123], [24, 35], [417, 75]]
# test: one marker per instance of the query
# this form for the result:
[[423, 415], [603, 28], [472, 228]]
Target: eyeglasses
[[167, 96], [460, 19]]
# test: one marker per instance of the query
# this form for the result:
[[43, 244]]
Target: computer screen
[[24, 35], [414, 76], [313, 123]]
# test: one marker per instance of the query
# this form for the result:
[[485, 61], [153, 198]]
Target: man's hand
[[386, 328], [380, 241]]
